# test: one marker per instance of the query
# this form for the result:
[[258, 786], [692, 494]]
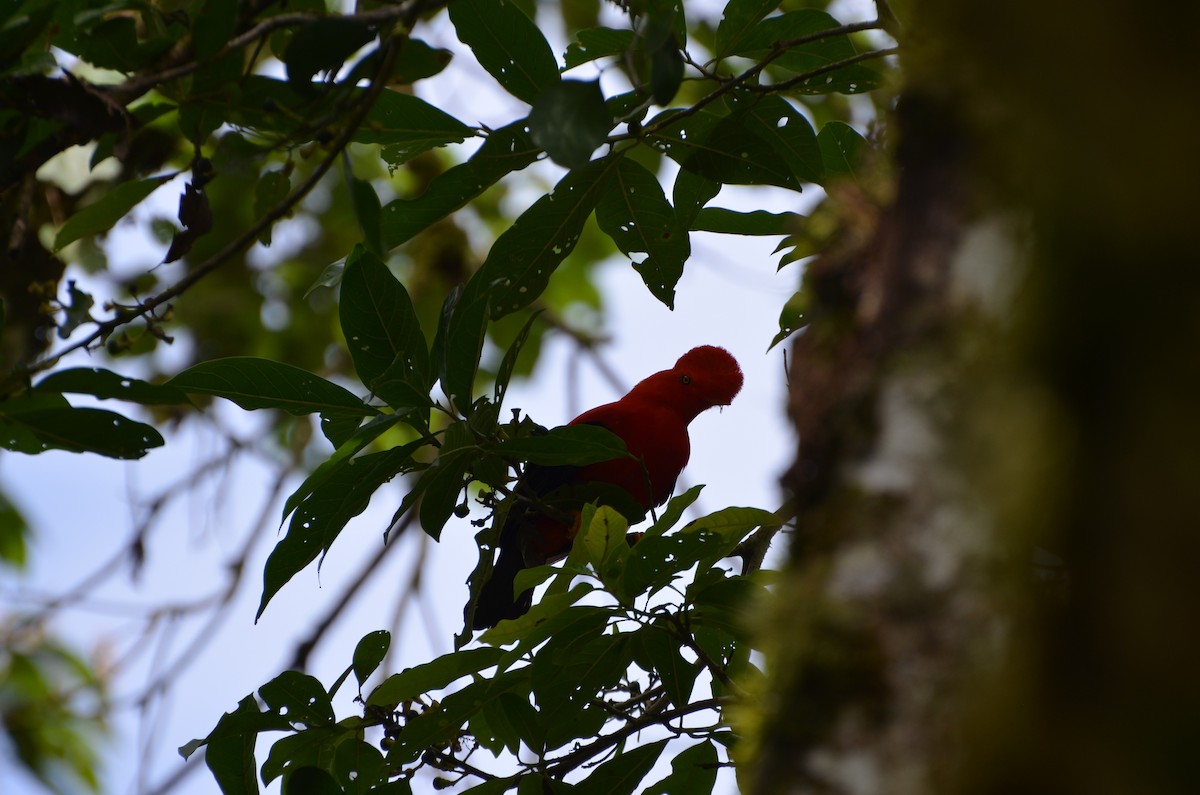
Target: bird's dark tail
[[496, 601]]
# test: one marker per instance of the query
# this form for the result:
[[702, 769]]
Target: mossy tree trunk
[[993, 584]]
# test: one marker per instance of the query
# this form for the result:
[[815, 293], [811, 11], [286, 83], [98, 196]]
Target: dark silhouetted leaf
[[596, 43], [33, 424], [636, 215], [692, 771], [739, 18], [505, 150], [661, 651], [417, 60], [101, 215], [255, 383], [569, 120], [507, 44], [383, 333], [624, 773], [755, 222], [786, 131], [105, 384], [369, 653], [323, 45], [518, 267], [368, 212], [320, 517], [841, 150], [690, 193], [721, 148], [435, 675], [299, 697], [569, 445]]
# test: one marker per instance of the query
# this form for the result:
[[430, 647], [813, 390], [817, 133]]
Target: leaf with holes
[[636, 215], [507, 44], [594, 43], [842, 150], [383, 333], [518, 267], [569, 120], [320, 517], [505, 150], [35, 423], [255, 383], [720, 148], [787, 132], [105, 384]]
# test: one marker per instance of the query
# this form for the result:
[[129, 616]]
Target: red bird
[[652, 420]]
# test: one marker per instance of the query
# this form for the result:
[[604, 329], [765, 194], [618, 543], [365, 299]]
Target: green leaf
[[509, 363], [310, 780], [441, 723], [756, 222], [14, 532], [692, 771], [720, 148], [604, 538], [505, 150], [622, 774], [417, 60], [271, 189], [255, 383], [435, 675], [661, 651], [793, 316], [518, 267], [405, 126], [369, 653], [787, 132], [215, 24], [842, 149], [230, 753], [105, 384], [323, 45], [569, 120], [367, 211], [76, 312], [322, 515], [690, 193], [359, 768], [103, 214], [666, 71], [507, 44], [739, 18], [544, 611], [810, 56], [298, 697], [460, 342], [568, 445], [25, 429], [636, 215], [657, 559], [594, 43], [442, 483], [383, 333], [342, 456], [313, 747]]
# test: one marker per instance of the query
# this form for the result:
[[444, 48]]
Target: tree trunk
[[991, 587]]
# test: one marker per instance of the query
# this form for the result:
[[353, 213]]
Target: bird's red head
[[702, 378], [711, 374]]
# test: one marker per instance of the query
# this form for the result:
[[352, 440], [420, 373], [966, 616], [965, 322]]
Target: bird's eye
[[685, 379]]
